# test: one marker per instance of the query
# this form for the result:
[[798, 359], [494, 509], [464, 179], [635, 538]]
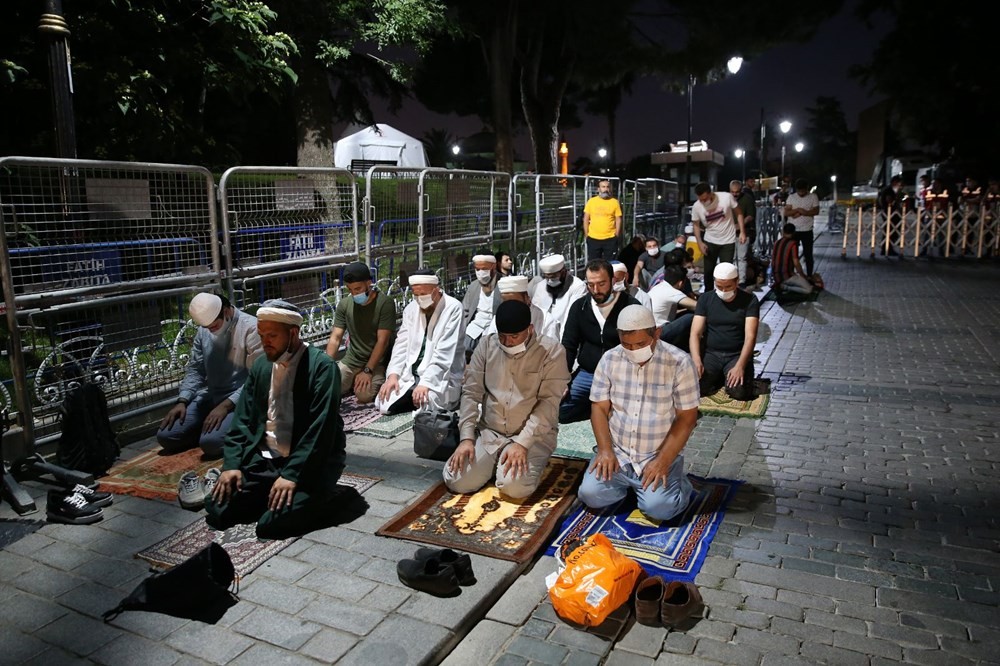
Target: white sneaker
[[189, 492], [211, 478]]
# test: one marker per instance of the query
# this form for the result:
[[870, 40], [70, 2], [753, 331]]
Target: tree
[[936, 67], [832, 147], [438, 142]]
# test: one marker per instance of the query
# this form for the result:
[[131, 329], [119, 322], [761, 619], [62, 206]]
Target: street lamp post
[[53, 28], [733, 65], [741, 155], [785, 126], [833, 179]]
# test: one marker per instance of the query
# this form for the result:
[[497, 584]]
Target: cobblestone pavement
[[866, 532]]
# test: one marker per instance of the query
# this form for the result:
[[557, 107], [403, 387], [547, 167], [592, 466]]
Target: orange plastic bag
[[597, 580]]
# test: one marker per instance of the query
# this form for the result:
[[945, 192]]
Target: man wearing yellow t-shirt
[[602, 224]]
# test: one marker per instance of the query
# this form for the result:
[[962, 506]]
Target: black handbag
[[435, 434]]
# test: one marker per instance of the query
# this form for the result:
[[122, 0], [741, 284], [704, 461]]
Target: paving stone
[[933, 658], [537, 628], [277, 596], [580, 640], [268, 654], [832, 655], [678, 642], [510, 660], [774, 608], [216, 645], [386, 597], [110, 571], [622, 658], [336, 584], [582, 658], [12, 566], [276, 628], [836, 622], [328, 645], [29, 613], [537, 651], [868, 646], [47, 582], [284, 568], [56, 657], [931, 605], [804, 582], [682, 660], [91, 599], [805, 600], [904, 636], [719, 631], [740, 617], [485, 640], [521, 598], [395, 641], [129, 649], [332, 557], [155, 626], [643, 640], [78, 634], [727, 653], [342, 615], [19, 647], [766, 642], [379, 570], [29, 544], [806, 632]]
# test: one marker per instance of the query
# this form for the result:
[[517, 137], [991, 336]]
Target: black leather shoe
[[430, 576], [462, 563], [71, 508]]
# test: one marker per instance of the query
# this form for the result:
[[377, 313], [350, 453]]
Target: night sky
[[784, 81]]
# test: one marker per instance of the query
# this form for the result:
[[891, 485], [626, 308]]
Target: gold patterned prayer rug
[[245, 549], [719, 403], [486, 522], [155, 476]]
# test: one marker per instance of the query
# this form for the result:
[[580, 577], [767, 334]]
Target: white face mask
[[639, 356], [227, 326], [653, 251], [484, 277], [425, 301], [516, 349], [619, 286], [555, 283], [726, 295]]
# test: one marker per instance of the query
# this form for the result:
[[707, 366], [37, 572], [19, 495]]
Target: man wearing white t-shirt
[[800, 208], [667, 300], [715, 211]]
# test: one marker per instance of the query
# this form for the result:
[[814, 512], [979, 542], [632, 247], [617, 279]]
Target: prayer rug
[[674, 549], [576, 440], [719, 403], [387, 426], [486, 522], [155, 476], [245, 549], [357, 416]]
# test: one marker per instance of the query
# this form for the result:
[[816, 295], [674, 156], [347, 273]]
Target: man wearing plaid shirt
[[645, 405]]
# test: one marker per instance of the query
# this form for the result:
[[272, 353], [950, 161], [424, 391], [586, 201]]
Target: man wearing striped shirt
[[645, 405]]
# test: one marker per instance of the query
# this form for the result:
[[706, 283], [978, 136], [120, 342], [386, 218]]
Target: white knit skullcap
[[280, 311], [552, 263], [689, 229], [424, 279], [513, 284], [635, 318], [725, 271], [205, 308], [617, 266], [488, 258]]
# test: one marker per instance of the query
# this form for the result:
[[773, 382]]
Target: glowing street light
[[741, 154], [785, 126], [833, 179], [733, 65], [799, 147], [456, 149], [602, 152]]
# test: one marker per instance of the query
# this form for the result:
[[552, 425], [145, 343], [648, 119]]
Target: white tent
[[378, 144]]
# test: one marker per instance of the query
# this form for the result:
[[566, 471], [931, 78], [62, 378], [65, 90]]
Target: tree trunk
[[500, 64], [541, 99], [313, 118]]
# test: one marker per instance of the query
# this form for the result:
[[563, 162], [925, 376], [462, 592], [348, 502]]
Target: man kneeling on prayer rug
[[645, 405], [517, 377]]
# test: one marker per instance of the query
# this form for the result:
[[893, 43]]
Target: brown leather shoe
[[648, 597], [680, 602]]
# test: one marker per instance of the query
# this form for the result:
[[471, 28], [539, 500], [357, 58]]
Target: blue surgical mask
[[360, 299]]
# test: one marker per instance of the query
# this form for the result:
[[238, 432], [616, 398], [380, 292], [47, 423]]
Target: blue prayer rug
[[674, 549]]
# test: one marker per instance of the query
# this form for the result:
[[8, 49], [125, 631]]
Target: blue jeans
[[661, 504], [576, 405]]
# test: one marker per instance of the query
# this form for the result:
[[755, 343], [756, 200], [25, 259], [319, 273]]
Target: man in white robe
[[555, 292], [428, 357]]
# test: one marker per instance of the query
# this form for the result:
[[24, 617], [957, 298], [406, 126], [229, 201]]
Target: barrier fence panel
[[391, 208], [98, 262], [559, 202], [630, 205], [456, 220], [287, 217], [941, 232], [524, 240], [657, 209]]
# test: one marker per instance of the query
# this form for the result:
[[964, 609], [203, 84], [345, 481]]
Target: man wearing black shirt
[[728, 318], [591, 329]]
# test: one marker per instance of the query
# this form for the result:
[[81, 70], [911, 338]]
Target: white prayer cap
[[635, 318], [422, 278], [280, 311], [552, 263], [513, 284], [725, 271], [205, 308], [618, 267], [488, 258], [689, 229]]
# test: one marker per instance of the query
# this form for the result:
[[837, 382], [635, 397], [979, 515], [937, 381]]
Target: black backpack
[[88, 443]]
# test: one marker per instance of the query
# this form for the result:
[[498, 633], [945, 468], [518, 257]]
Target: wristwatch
[[367, 370]]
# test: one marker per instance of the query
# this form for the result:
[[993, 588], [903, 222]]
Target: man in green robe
[[285, 449]]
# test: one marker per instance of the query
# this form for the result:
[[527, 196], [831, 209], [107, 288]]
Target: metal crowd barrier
[[943, 232]]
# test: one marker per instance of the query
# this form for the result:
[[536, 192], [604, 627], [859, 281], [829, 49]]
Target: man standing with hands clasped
[[645, 406]]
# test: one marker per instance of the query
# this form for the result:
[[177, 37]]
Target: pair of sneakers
[[193, 491], [79, 505]]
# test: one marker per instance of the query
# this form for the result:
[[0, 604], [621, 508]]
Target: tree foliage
[[936, 67]]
